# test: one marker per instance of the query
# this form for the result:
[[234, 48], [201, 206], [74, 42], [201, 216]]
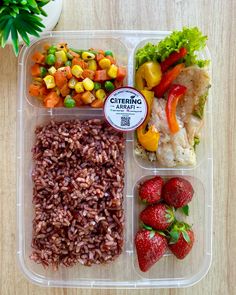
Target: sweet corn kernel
[[105, 63], [57, 91], [88, 84], [79, 87], [77, 71], [61, 56], [87, 55], [112, 72], [92, 65], [100, 94], [72, 82], [38, 79], [52, 70], [49, 81]]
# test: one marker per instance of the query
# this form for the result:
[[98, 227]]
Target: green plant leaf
[[22, 33], [32, 3], [4, 18], [30, 30], [15, 41], [16, 9], [2, 9], [6, 32], [43, 3], [12, 13], [43, 12], [35, 20], [25, 8]]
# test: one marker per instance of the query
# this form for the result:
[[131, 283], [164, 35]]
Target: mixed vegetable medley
[[175, 83], [68, 77]]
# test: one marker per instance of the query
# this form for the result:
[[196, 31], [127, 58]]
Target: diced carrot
[[35, 70], [101, 51], [101, 75], [60, 79], [121, 73], [58, 64], [43, 91], [111, 58], [99, 56], [75, 61], [88, 74], [38, 57], [51, 100], [74, 53], [46, 46], [98, 103], [34, 90], [118, 84], [78, 99], [65, 90], [60, 103], [68, 72], [79, 62], [87, 97]]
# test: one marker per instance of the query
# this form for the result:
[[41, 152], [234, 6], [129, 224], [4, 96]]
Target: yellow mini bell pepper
[[148, 140], [148, 75]]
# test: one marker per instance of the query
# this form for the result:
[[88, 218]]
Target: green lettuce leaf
[[190, 38]]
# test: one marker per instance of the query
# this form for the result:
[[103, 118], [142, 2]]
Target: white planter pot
[[53, 10]]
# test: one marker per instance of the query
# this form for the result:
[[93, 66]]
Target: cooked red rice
[[78, 181]]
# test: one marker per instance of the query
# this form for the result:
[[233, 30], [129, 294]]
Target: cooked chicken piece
[[173, 149], [193, 127], [197, 82], [177, 149]]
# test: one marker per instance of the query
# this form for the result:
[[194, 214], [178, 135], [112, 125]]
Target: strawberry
[[158, 216], [150, 247], [181, 239], [150, 190], [177, 192]]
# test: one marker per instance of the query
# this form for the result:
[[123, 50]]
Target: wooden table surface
[[217, 19]]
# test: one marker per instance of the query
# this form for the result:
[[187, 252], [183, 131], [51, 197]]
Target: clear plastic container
[[124, 271]]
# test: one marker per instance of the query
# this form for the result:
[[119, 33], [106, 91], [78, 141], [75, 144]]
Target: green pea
[[23, 2], [68, 63], [108, 52], [69, 102], [43, 72], [52, 49], [97, 86], [50, 59], [109, 86]]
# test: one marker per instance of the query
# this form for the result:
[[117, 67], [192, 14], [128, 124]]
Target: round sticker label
[[125, 109]]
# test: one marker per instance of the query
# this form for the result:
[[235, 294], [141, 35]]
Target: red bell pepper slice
[[166, 80], [173, 58], [175, 93]]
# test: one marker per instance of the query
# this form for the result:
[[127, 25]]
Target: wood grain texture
[[217, 19]]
